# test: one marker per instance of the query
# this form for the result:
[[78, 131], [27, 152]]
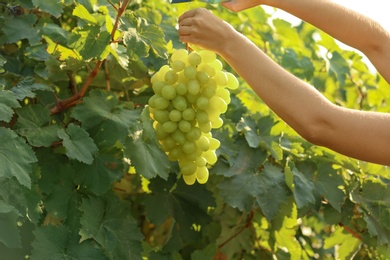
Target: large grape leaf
[[33, 123], [53, 7], [78, 144], [265, 188], [20, 27], [54, 243], [98, 177], [16, 157], [144, 152], [108, 221], [8, 101], [9, 234]]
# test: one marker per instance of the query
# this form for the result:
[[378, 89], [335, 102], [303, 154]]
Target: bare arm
[[362, 135], [348, 26]]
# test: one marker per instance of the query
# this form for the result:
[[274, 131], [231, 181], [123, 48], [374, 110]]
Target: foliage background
[[82, 175]]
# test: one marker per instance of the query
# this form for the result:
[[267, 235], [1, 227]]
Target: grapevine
[[190, 94]]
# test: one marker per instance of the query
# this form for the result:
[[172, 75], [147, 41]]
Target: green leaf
[[9, 234], [37, 52], [16, 157], [55, 33], [266, 189], [20, 27], [25, 89], [33, 123], [82, 12], [98, 177], [53, 7], [346, 243], [208, 252], [338, 66], [109, 223], [78, 144], [8, 101]]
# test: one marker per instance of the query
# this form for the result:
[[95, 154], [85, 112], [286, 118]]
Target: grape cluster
[[190, 94]]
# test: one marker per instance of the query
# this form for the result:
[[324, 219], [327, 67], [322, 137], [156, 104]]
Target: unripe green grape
[[214, 144], [194, 134], [174, 115], [213, 114], [191, 98], [169, 126], [189, 114], [200, 161], [210, 157], [152, 101], [202, 117], [209, 90], [179, 103], [207, 56], [232, 81], [202, 174], [189, 179], [194, 58], [178, 65], [190, 72], [203, 143], [180, 54], [218, 104], [203, 103], [168, 92], [190, 156], [168, 143], [193, 86], [221, 78], [205, 127], [161, 116], [170, 77], [160, 132], [181, 88], [187, 167], [179, 136], [207, 68], [202, 77], [189, 147], [217, 123], [184, 126], [175, 153], [161, 103], [216, 65], [224, 94], [157, 86]]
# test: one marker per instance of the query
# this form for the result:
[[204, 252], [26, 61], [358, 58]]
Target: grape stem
[[62, 105]]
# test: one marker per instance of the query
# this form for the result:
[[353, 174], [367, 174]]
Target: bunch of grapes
[[190, 94]]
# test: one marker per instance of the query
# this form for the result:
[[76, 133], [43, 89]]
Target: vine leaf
[[9, 234], [33, 123], [109, 222], [82, 12], [53, 7], [21, 27], [8, 101], [78, 144], [16, 157]]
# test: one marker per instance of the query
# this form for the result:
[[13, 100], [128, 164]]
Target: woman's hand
[[202, 28], [238, 5]]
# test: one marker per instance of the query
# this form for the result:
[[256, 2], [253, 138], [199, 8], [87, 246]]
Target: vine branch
[[76, 98]]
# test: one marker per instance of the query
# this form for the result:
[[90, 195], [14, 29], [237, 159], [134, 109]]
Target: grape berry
[[190, 94]]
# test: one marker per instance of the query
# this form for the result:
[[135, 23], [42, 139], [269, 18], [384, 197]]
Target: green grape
[[209, 90], [175, 153], [218, 123], [232, 81], [224, 94], [189, 114], [205, 127], [168, 92], [193, 86], [200, 161], [181, 88], [203, 143], [179, 103], [161, 103], [202, 77], [216, 65], [189, 147], [161, 116], [178, 65], [207, 56], [221, 78], [202, 117], [170, 77], [210, 157], [174, 115], [202, 174], [214, 144], [203, 103], [194, 59], [157, 87], [160, 132], [194, 134], [152, 100], [168, 143], [187, 167], [192, 98], [207, 68], [169, 126], [218, 104], [190, 72], [189, 179], [185, 126], [180, 54], [179, 136]]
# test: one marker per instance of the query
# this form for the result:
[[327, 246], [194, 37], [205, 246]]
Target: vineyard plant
[[84, 176]]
